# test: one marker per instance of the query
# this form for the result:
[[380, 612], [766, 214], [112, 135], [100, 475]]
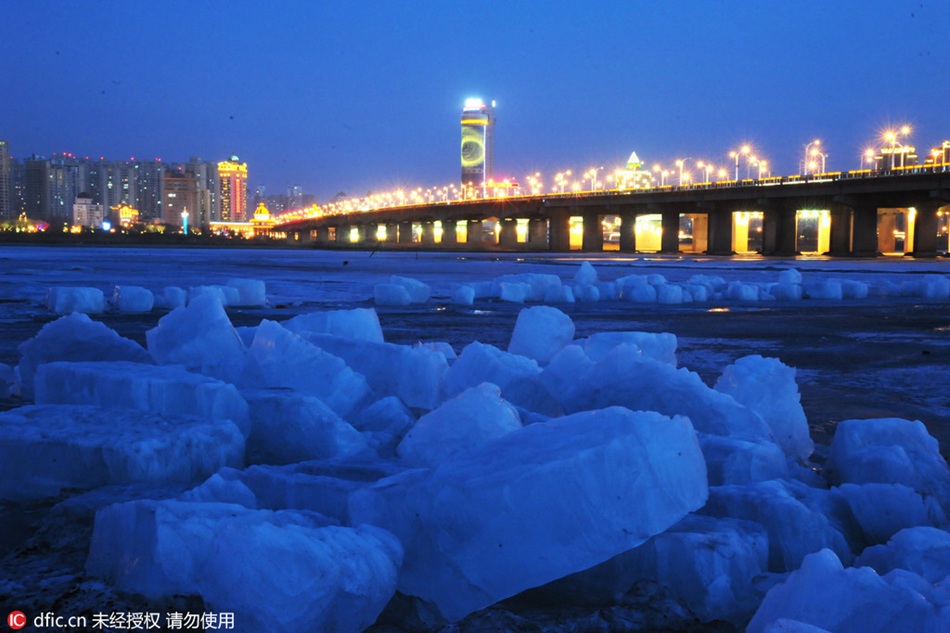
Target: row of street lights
[[893, 142]]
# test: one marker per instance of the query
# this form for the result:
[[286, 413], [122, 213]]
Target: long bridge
[[859, 213]]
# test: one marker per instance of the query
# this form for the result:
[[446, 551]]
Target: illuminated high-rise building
[[6, 183], [478, 135], [233, 179]]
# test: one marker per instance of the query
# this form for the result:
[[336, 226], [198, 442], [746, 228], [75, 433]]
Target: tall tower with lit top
[[478, 143], [232, 174]]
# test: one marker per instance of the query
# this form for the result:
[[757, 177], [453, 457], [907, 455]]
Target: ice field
[[442, 441]]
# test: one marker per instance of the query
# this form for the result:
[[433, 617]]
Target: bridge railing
[[364, 206]]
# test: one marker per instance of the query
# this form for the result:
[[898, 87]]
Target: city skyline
[[366, 96]]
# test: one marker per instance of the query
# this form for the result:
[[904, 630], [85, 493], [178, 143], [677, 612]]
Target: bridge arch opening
[[895, 230], [649, 232], [747, 232], [813, 231]]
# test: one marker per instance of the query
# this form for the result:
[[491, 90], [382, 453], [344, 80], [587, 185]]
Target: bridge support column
[[405, 232], [864, 231], [428, 233], [593, 241], [560, 230], [925, 230], [840, 241], [720, 233], [538, 233], [449, 234], [508, 236], [368, 233], [670, 239], [628, 232], [473, 235], [778, 231], [342, 235], [321, 236], [392, 231]]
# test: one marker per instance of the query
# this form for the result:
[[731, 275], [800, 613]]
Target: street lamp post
[[808, 152], [745, 149], [681, 163]]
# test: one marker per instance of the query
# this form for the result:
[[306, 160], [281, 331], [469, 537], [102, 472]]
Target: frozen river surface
[[885, 355]]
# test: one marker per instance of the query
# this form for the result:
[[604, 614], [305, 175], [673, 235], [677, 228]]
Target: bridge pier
[[719, 235], [925, 230], [778, 231], [341, 235], [405, 232], [473, 235], [628, 232], [368, 233], [700, 233], [670, 237], [840, 241], [538, 233], [593, 241], [392, 232], [428, 233], [560, 230], [508, 236], [450, 233], [864, 241]]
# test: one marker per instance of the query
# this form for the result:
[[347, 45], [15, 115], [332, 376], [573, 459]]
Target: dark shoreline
[[158, 240]]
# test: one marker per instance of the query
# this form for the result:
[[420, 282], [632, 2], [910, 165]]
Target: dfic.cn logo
[[16, 620]]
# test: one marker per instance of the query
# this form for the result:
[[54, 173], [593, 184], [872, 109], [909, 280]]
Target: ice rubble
[[572, 467], [249, 293], [276, 571], [46, 449]]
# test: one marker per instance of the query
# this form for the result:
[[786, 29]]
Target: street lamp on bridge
[[809, 155], [681, 162], [744, 150]]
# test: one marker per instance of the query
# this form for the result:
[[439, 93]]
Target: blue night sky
[[357, 96]]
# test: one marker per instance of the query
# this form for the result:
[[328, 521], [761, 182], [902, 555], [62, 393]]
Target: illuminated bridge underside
[[851, 210]]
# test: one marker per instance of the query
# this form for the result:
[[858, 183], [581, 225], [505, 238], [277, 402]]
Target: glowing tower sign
[[233, 200], [478, 125]]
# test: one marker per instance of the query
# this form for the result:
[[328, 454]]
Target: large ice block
[[791, 514], [658, 346], [889, 451], [883, 510], [628, 378], [278, 358], [540, 333], [825, 594], [767, 386], [133, 299], [537, 504], [69, 299], [359, 323], [518, 377], [275, 571], [288, 426], [472, 418], [923, 550], [163, 389], [200, 337], [74, 338], [45, 449], [414, 374], [252, 293]]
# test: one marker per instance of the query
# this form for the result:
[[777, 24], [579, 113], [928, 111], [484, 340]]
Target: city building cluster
[[68, 192]]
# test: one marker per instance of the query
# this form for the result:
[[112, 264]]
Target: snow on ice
[[324, 477]]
